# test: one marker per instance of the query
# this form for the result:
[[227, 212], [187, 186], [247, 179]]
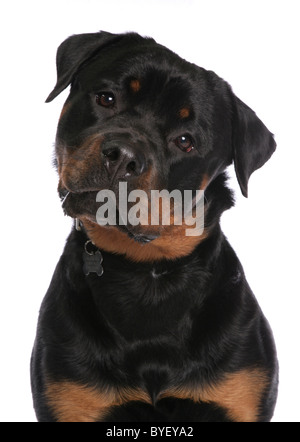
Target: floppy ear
[[73, 52], [253, 143]]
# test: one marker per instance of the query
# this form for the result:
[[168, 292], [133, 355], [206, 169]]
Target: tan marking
[[205, 182], [184, 112], [135, 85], [72, 402], [75, 164], [173, 242], [239, 393]]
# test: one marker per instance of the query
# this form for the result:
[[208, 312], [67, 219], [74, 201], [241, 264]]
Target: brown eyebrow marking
[[135, 85], [184, 112]]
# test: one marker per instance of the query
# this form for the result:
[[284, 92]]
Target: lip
[[76, 204], [145, 239], [138, 237]]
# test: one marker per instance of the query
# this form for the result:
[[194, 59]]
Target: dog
[[146, 323]]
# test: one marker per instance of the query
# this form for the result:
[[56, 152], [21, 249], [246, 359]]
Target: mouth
[[138, 237], [84, 204], [75, 204]]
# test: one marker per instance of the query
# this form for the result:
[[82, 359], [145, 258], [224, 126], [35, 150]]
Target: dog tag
[[92, 261]]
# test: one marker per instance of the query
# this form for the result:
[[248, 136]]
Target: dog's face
[[138, 113]]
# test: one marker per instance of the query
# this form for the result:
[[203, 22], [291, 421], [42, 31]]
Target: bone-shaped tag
[[92, 263]]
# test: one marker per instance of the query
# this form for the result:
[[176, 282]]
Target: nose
[[123, 161]]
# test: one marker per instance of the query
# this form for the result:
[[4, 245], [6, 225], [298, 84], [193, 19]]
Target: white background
[[254, 45]]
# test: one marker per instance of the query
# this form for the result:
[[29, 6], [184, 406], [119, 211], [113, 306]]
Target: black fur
[[161, 324]]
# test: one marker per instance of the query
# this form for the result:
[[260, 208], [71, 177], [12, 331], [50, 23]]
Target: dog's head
[[139, 114]]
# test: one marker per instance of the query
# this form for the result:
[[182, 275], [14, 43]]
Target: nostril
[[131, 168], [112, 154]]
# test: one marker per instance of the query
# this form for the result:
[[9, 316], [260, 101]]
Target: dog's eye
[[105, 99], [185, 143]]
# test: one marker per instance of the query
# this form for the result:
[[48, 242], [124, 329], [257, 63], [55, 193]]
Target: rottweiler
[[146, 323]]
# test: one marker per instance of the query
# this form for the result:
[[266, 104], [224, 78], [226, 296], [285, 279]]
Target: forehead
[[155, 66]]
